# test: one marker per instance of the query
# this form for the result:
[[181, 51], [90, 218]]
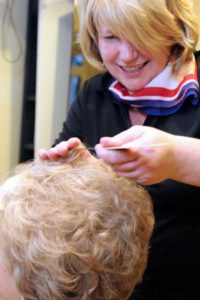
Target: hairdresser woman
[[149, 98]]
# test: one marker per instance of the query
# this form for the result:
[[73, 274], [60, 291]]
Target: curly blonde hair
[[74, 230], [151, 25]]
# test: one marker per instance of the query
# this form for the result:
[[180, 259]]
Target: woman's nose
[[128, 51]]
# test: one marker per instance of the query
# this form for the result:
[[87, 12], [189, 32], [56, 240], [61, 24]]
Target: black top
[[175, 245]]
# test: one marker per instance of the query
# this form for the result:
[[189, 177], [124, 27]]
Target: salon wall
[[53, 68], [11, 83], [197, 12], [55, 28]]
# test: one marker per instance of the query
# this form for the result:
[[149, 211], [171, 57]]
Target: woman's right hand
[[59, 151], [150, 157]]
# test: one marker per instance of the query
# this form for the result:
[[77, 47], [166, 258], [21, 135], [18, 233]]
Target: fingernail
[[42, 151], [60, 147]]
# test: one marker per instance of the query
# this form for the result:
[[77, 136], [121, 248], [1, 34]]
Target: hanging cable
[[9, 19]]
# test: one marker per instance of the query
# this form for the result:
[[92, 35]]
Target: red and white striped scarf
[[166, 93]]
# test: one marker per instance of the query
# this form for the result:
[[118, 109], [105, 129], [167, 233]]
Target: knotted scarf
[[166, 93]]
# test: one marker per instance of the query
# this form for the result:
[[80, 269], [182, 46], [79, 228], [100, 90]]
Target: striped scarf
[[166, 93]]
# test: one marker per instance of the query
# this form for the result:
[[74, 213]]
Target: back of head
[[74, 230], [151, 26]]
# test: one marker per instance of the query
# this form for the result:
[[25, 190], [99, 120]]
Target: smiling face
[[133, 68]]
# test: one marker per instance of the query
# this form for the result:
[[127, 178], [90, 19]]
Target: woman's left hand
[[149, 159]]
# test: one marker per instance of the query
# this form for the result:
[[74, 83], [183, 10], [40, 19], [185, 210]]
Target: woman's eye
[[110, 37]]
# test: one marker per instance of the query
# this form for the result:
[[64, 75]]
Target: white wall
[[11, 86], [197, 12], [53, 69]]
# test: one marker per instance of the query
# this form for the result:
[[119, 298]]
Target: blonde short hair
[[74, 230], [149, 25]]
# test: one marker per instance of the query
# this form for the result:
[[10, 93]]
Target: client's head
[[74, 230]]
